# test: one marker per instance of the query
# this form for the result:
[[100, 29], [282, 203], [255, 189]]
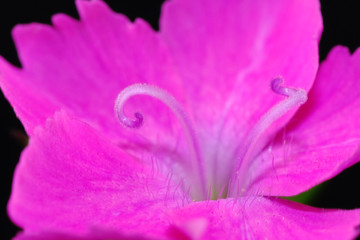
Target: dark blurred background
[[341, 26]]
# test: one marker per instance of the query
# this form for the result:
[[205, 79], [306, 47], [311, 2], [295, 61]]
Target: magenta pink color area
[[82, 170], [323, 138], [71, 178]]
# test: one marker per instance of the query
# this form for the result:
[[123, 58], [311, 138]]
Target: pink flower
[[218, 95]]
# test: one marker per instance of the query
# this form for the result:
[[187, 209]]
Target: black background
[[341, 26]]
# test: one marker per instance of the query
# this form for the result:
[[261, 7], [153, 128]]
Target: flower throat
[[243, 157]]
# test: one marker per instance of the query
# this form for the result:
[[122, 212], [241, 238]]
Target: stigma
[[236, 183]]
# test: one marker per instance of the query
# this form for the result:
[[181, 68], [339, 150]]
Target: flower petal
[[266, 218], [323, 138], [81, 66], [228, 52], [96, 234], [71, 178]]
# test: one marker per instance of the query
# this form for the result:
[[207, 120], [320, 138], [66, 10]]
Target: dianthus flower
[[221, 111]]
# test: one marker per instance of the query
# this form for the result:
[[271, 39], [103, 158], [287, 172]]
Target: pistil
[[296, 97], [176, 108]]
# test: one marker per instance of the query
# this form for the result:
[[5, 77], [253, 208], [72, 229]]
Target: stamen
[[296, 97], [176, 108]]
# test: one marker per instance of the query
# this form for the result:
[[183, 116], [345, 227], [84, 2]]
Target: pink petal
[[266, 218], [323, 139], [81, 66], [71, 178], [228, 52], [92, 235]]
